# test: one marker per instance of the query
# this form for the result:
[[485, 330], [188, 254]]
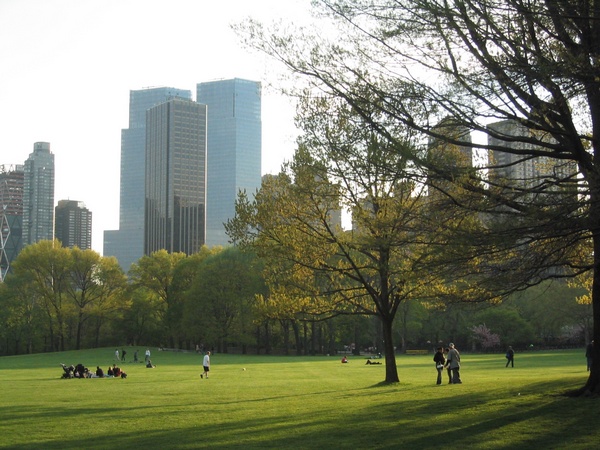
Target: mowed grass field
[[296, 402]]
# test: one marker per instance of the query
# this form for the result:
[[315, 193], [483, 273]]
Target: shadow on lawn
[[490, 420]]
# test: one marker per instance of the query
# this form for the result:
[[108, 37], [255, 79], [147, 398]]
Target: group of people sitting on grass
[[114, 371], [80, 371]]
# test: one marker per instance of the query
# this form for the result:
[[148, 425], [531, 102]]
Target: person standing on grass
[[147, 355], [510, 357], [123, 353], [439, 360], [589, 353], [117, 354], [453, 362], [448, 369], [206, 365]]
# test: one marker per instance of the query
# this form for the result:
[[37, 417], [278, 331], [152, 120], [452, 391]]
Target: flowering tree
[[483, 335]]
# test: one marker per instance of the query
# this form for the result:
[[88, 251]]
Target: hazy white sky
[[67, 66]]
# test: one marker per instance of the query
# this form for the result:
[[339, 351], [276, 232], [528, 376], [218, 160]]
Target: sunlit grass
[[295, 402]]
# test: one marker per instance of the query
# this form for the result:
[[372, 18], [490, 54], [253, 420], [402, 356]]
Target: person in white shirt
[[206, 364]]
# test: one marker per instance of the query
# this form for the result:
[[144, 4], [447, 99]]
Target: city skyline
[[67, 68]]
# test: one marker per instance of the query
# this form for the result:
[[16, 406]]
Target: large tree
[[535, 63], [315, 267], [94, 281], [219, 304], [155, 274], [45, 266]]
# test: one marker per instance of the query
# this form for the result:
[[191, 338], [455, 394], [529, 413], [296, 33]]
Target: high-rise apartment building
[[234, 148], [38, 195], [175, 177], [127, 243], [73, 224], [522, 170], [11, 215]]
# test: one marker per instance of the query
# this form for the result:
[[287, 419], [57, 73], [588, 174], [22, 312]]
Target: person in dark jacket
[[589, 353], [510, 357], [439, 361]]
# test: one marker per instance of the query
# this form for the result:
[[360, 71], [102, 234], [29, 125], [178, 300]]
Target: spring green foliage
[[291, 402], [447, 70], [60, 290], [219, 303]]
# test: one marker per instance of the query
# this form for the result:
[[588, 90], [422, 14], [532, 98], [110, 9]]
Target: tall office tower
[[73, 224], [127, 243], [38, 195], [175, 177], [11, 215], [234, 149]]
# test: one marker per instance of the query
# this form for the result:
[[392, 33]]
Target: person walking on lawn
[[206, 365]]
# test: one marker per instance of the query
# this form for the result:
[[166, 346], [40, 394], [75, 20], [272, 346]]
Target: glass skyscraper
[[38, 195], [234, 149], [175, 177], [127, 243]]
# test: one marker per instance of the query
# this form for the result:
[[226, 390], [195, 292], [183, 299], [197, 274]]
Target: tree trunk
[[356, 349], [285, 329], [258, 340], [331, 337], [391, 371], [297, 337], [79, 329], [592, 385], [305, 338], [268, 350]]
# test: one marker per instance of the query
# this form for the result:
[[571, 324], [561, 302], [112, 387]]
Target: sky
[[67, 66]]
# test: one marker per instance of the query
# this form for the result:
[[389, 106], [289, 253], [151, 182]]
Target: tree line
[[66, 299]]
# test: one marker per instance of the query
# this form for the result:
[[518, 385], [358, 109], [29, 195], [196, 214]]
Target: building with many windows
[[234, 148], [175, 177], [73, 224], [38, 195], [127, 243], [523, 171], [11, 215]]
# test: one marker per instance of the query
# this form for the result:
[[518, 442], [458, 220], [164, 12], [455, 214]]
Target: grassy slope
[[292, 402]]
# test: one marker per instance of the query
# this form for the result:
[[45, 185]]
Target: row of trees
[[63, 299]]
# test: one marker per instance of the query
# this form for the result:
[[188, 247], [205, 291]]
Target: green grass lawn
[[296, 402]]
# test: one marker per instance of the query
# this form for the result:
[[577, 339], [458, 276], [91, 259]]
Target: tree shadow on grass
[[494, 419]]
